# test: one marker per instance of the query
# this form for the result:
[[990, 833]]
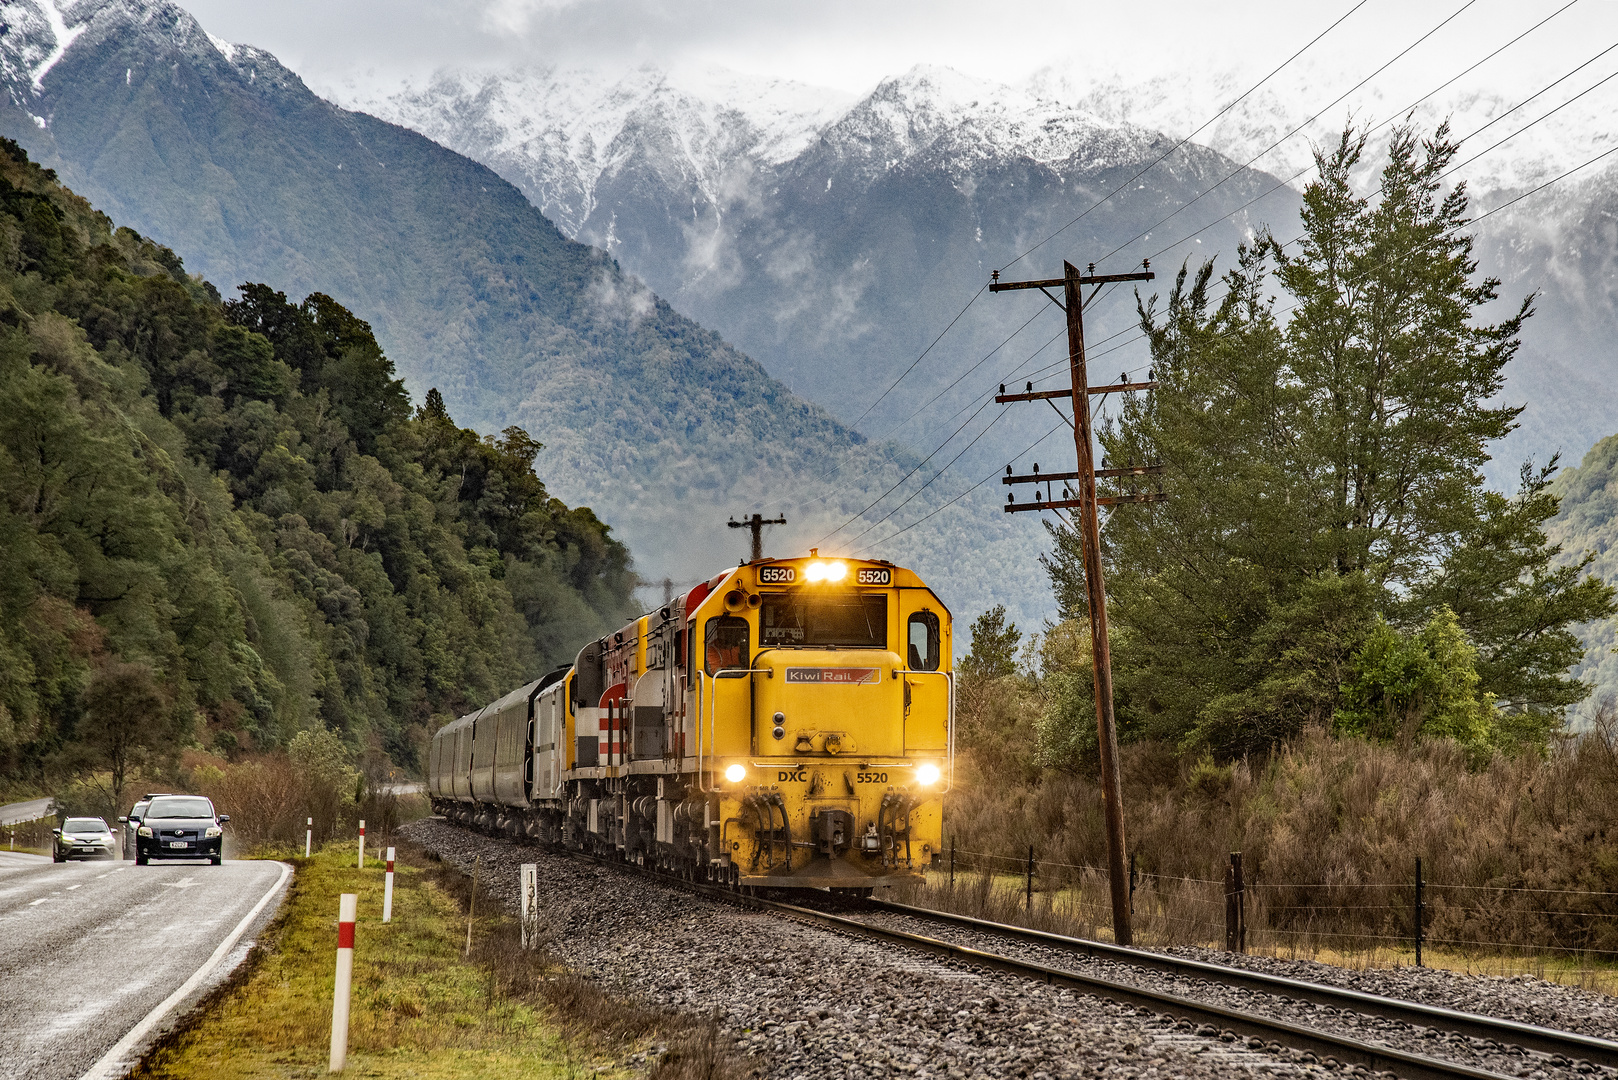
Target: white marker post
[[362, 843], [346, 907], [387, 891], [530, 905], [308, 837]]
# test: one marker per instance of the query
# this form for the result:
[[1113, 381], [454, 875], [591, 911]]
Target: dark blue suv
[[180, 827]]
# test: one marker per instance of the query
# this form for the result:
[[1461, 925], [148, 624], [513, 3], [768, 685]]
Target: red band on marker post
[[345, 935], [387, 891]]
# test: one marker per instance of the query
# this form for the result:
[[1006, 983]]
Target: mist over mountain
[[832, 239], [836, 239]]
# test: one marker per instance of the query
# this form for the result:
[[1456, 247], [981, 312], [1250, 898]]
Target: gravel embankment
[[806, 1002]]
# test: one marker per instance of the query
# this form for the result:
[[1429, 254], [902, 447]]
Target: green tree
[[126, 717], [994, 646], [1322, 473], [1404, 685]]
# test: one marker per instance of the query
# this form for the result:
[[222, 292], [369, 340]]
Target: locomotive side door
[[924, 644]]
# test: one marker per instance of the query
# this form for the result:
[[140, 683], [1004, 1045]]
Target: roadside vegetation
[[421, 1007]]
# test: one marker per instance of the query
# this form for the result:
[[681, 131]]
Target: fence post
[[1420, 907], [1029, 907], [346, 907], [952, 864], [308, 837], [362, 843], [530, 905], [472, 903], [1240, 890], [387, 890], [1132, 883], [1230, 906]]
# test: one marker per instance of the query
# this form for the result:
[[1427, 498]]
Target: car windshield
[[180, 808], [84, 825]]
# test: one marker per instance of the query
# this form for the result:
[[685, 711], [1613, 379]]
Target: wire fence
[[1570, 927]]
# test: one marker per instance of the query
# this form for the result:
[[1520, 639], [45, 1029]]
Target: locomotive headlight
[[927, 774], [825, 571], [736, 773]]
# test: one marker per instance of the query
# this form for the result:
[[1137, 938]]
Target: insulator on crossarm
[[1029, 389], [1036, 468], [1002, 388], [1010, 498], [1008, 470]]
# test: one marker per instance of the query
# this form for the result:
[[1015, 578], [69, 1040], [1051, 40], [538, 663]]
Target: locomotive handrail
[[949, 752], [705, 746]]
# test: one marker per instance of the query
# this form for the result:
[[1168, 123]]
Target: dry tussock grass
[[1518, 851]]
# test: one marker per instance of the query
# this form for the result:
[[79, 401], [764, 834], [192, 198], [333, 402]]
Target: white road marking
[[111, 1064], [183, 883], [41, 900], [80, 885]]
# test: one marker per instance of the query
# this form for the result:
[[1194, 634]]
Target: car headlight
[[143, 831], [213, 831], [927, 774], [736, 773]]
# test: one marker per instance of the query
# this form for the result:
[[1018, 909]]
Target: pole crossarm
[[756, 524], [1101, 500], [1100, 474], [1042, 395], [1057, 283]]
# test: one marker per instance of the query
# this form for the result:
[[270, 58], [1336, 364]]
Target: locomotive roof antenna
[[755, 523]]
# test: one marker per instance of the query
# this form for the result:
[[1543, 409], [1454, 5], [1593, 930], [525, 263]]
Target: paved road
[[88, 950], [32, 810]]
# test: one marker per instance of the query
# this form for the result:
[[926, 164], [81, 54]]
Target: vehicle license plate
[[179, 843]]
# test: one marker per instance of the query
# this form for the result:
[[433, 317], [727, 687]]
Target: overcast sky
[[850, 44]]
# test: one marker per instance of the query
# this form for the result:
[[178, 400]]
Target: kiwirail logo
[[847, 675]]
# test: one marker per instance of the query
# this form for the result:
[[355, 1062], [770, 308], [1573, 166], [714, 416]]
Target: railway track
[[1563, 1050]]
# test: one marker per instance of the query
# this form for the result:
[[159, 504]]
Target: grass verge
[[421, 1008]]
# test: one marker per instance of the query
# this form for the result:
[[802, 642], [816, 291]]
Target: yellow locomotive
[[786, 724]]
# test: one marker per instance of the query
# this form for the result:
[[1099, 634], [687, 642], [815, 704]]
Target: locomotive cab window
[[818, 619], [725, 644], [923, 634]]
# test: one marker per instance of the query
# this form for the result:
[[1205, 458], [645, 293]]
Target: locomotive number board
[[873, 575], [777, 575]]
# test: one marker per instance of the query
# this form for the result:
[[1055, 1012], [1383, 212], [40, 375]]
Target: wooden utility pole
[[756, 523], [1089, 527]]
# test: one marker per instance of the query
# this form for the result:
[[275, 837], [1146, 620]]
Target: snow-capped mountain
[[833, 237], [1547, 126]]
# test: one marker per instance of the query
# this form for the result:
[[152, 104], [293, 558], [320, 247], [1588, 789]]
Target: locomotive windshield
[[812, 618]]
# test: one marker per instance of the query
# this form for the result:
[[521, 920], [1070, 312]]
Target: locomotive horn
[[735, 600], [754, 601]]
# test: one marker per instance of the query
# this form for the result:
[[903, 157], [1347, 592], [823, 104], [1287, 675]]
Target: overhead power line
[[1171, 150], [1319, 113]]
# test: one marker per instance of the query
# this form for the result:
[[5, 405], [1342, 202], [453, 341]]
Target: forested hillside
[[1588, 524], [222, 523]]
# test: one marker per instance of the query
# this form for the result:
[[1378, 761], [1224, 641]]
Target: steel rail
[[1545, 1040], [1323, 1044]]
